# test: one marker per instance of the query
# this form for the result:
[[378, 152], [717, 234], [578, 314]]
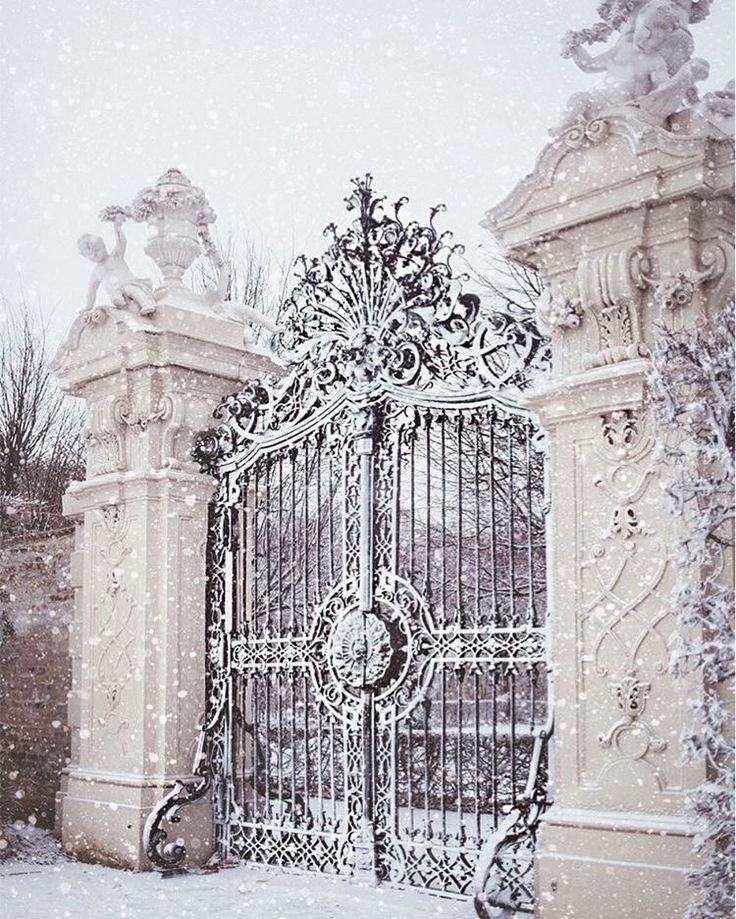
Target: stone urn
[[175, 211]]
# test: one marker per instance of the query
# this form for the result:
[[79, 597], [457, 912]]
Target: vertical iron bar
[[395, 498], [476, 492], [512, 740], [530, 528], [492, 485], [494, 746], [320, 788], [443, 750], [443, 519], [254, 550], [332, 770], [512, 560], [412, 481], [292, 725], [331, 516], [410, 773], [292, 541], [365, 448], [267, 511], [281, 543], [280, 745], [267, 752], [426, 703], [306, 743], [305, 540], [460, 677], [428, 507], [459, 536], [395, 773], [254, 690], [476, 726], [243, 614], [318, 534]]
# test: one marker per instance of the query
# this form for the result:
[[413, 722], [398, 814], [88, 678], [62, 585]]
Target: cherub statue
[[717, 108], [217, 297], [649, 68], [112, 271]]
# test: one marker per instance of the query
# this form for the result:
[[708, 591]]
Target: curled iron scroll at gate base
[[504, 877], [171, 855]]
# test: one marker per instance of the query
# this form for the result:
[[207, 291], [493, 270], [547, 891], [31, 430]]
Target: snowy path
[[72, 890]]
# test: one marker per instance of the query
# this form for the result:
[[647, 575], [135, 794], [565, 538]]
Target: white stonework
[[649, 71], [138, 648], [630, 225]]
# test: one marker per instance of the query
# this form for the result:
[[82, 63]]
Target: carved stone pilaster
[[630, 227], [149, 384]]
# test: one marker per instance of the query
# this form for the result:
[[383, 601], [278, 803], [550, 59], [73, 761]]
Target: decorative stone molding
[[679, 290], [630, 737], [127, 415], [116, 659], [622, 431], [556, 315], [629, 209], [586, 133]]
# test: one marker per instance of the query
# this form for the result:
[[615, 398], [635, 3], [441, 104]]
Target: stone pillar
[[630, 225], [138, 647]]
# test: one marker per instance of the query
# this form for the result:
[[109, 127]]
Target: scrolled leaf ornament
[[381, 308], [170, 856]]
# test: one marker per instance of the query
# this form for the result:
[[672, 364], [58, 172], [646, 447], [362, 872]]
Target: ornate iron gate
[[376, 605]]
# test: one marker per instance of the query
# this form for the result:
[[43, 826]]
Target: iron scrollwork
[[504, 875], [359, 498], [381, 307]]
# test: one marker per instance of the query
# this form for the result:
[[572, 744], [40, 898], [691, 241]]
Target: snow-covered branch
[[692, 388]]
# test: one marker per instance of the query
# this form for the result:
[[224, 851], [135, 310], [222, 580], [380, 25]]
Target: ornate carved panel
[[626, 621], [115, 631]]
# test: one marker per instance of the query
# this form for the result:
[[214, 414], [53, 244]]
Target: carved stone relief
[[626, 621], [679, 290], [114, 631], [104, 438], [631, 737], [115, 419], [610, 286]]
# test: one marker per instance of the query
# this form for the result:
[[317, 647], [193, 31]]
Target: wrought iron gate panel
[[376, 577], [295, 798], [454, 742]]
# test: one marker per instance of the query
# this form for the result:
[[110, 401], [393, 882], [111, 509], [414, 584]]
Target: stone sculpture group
[[649, 72], [178, 215]]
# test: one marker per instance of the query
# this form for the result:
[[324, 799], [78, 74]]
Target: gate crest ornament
[[380, 309]]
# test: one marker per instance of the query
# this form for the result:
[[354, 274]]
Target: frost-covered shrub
[[692, 388]]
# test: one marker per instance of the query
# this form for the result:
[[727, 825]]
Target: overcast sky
[[272, 107]]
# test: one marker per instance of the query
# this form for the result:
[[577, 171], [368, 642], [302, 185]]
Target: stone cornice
[[173, 337], [589, 392], [648, 824], [668, 166]]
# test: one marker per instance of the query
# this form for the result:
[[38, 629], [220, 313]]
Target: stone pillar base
[[102, 819], [610, 865]]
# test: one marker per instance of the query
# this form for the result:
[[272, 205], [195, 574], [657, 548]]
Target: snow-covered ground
[[38, 883]]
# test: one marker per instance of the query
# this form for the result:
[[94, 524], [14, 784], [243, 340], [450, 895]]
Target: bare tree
[[40, 428], [257, 278], [507, 284]]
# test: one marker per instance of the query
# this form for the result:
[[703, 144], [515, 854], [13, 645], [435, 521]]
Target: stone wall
[[36, 604]]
